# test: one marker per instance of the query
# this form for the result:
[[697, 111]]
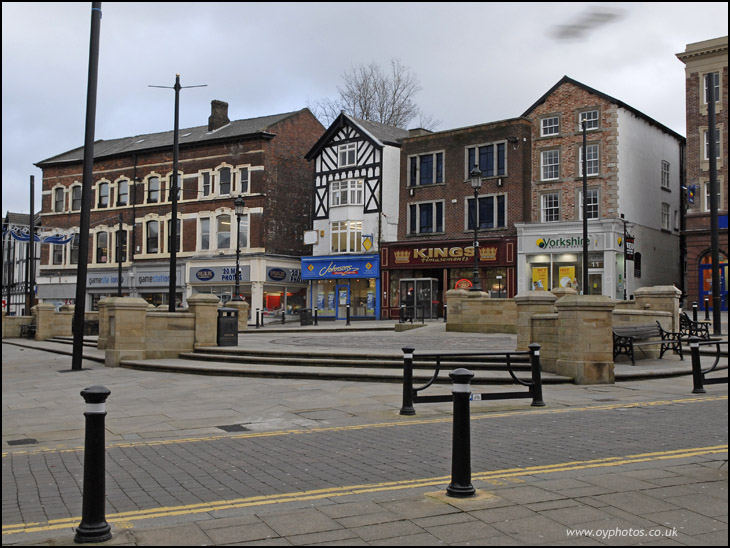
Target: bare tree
[[371, 94]]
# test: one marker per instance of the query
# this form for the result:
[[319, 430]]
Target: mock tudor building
[[435, 248], [701, 59], [356, 171], [258, 159], [634, 170]]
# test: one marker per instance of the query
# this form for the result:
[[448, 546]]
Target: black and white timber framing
[[370, 139]]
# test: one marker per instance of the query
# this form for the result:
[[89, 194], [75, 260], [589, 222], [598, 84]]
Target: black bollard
[[348, 314], [536, 388], [257, 318], [315, 317], [707, 309], [698, 379], [694, 311], [407, 408], [460, 485], [94, 527], [446, 308]]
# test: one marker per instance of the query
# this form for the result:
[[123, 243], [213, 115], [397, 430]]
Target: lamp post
[[238, 204], [475, 178]]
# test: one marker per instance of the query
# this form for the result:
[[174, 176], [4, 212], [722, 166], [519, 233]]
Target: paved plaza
[[214, 460]]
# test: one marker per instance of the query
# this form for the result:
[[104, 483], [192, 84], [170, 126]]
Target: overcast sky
[[476, 62]]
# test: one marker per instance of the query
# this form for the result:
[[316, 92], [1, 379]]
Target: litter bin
[[305, 316], [227, 327]]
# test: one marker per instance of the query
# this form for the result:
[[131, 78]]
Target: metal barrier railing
[[508, 359], [698, 374]]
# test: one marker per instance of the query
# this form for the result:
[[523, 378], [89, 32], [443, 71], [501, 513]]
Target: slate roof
[[379, 134], [151, 141]]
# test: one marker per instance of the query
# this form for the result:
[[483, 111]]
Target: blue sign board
[[340, 267]]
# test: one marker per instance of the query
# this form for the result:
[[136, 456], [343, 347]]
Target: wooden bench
[[690, 328], [626, 338]]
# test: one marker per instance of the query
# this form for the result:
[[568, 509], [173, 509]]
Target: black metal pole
[[94, 527], [119, 256], [407, 407], [173, 199], [697, 376], [85, 221], [586, 289], [477, 281], [714, 231], [348, 314], [30, 272], [460, 485], [536, 370], [237, 287], [625, 254], [694, 311]]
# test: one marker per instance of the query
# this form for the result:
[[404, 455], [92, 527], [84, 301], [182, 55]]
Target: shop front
[[416, 276], [341, 280], [270, 287], [550, 257]]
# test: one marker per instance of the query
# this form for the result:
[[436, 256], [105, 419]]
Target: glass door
[[342, 295], [595, 282]]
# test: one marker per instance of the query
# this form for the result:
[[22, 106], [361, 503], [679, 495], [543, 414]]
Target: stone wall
[[476, 312]]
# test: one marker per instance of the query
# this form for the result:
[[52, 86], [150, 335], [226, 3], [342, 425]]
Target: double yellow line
[[477, 414], [125, 519]]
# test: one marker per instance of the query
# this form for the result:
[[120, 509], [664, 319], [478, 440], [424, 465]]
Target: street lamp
[[238, 204], [475, 178]]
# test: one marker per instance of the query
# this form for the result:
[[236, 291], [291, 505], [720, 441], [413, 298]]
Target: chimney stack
[[218, 115]]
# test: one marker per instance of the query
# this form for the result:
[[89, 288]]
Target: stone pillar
[[662, 298], [586, 338], [127, 334], [44, 314], [64, 321], [205, 308], [242, 307], [528, 304], [103, 324]]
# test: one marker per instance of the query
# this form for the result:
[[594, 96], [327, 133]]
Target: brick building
[[634, 167], [259, 159], [701, 59], [434, 250]]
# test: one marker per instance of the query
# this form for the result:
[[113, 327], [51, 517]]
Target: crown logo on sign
[[488, 253], [401, 256]]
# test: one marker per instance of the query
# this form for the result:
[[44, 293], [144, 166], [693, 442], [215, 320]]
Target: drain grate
[[233, 428], [26, 441]]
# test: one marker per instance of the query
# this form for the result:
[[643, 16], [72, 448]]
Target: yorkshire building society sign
[[568, 242]]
